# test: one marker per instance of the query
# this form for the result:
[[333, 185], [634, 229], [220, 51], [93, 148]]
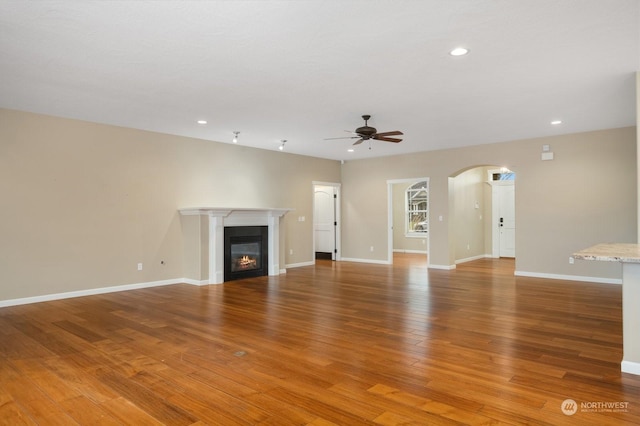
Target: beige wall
[[586, 195], [83, 203], [468, 221], [638, 144]]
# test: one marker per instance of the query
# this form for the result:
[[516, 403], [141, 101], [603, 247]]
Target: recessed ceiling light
[[556, 122], [350, 150], [202, 121], [459, 51]]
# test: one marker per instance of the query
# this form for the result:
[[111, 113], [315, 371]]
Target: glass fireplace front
[[246, 252], [245, 256]]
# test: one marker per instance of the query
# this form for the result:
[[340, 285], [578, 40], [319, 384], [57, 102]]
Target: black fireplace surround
[[246, 253]]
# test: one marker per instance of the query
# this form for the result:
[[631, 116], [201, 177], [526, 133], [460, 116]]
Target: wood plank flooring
[[331, 344]]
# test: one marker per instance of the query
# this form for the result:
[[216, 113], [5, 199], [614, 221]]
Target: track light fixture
[[282, 142], [235, 137]]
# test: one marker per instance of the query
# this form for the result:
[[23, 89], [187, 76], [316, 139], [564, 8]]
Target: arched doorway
[[482, 207]]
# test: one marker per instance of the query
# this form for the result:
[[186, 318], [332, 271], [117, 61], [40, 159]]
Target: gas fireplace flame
[[246, 262]]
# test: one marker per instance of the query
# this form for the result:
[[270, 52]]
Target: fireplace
[[246, 252], [212, 238]]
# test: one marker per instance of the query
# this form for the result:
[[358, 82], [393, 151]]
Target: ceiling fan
[[366, 133]]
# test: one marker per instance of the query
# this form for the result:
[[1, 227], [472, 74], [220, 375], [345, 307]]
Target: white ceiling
[[307, 70]]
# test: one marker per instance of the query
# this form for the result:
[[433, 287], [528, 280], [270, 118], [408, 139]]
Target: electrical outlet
[[571, 260], [290, 251], [139, 266], [371, 248]]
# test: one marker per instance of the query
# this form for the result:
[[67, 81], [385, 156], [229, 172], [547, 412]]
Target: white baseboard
[[297, 265], [457, 262], [445, 267], [410, 251], [94, 291], [469, 259], [569, 277], [384, 262], [103, 290], [194, 282], [630, 367], [379, 262]]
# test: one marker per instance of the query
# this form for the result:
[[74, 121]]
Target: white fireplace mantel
[[219, 217]]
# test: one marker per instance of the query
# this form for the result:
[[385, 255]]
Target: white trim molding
[[95, 291], [630, 367], [472, 258], [195, 282], [568, 277], [378, 262], [219, 217], [444, 267], [300, 264], [410, 251]]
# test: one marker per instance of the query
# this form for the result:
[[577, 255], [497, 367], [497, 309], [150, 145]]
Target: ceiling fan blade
[[395, 140], [358, 142], [393, 133], [344, 137]]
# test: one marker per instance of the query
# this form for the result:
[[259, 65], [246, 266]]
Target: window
[[502, 174], [417, 209]]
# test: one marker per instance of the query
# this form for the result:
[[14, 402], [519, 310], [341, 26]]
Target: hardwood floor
[[336, 343]]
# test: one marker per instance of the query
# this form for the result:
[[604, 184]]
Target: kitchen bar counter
[[629, 256], [611, 252]]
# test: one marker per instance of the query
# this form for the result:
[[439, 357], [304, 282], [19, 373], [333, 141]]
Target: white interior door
[[507, 220], [324, 220]]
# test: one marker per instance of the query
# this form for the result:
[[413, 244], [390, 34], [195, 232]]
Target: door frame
[[337, 256], [390, 183], [495, 218]]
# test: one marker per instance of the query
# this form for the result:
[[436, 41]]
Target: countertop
[[611, 252]]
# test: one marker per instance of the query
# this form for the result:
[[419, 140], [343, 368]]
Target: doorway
[[503, 224], [326, 220], [482, 210], [408, 217]]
